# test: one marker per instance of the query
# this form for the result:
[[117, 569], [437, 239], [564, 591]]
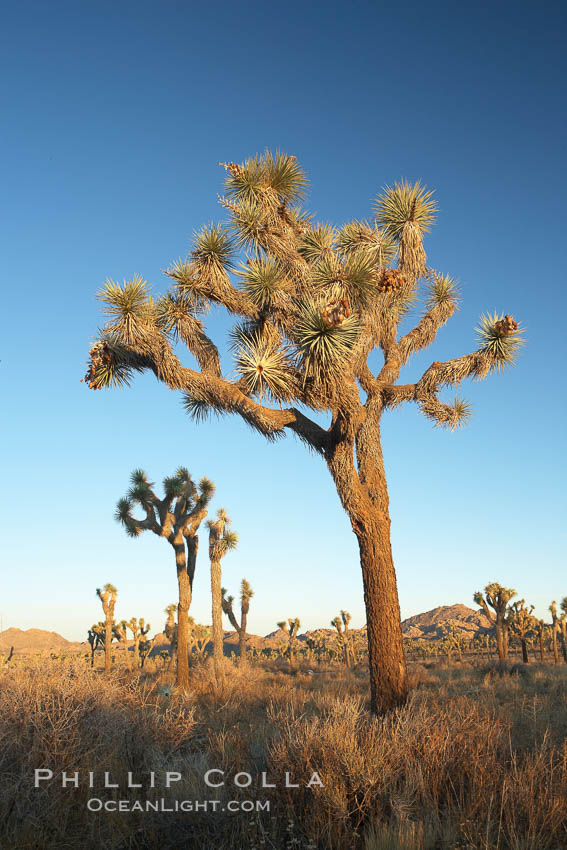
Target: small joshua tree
[[139, 631], [176, 518], [95, 638], [199, 637], [314, 304], [454, 638], [120, 632], [107, 597], [341, 625], [246, 594], [523, 624], [221, 541], [497, 597], [170, 628], [145, 649], [291, 629]]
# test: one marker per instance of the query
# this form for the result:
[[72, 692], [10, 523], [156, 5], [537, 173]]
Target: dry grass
[[477, 759]]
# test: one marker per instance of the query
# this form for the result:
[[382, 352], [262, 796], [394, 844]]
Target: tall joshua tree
[[176, 518], [246, 594], [221, 540], [523, 624], [313, 302], [497, 597], [107, 597]]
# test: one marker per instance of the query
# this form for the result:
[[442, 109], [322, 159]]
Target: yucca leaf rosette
[[323, 350], [501, 337]]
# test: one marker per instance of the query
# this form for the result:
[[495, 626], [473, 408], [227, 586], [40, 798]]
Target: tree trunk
[[525, 658], [136, 653], [386, 656], [500, 646], [364, 495], [541, 653], [563, 628], [242, 640], [218, 647], [107, 642], [554, 639], [182, 617]]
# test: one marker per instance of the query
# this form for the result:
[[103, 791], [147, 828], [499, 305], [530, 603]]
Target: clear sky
[[114, 118]]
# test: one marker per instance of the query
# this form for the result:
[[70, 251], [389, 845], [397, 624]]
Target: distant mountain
[[429, 625], [35, 640]]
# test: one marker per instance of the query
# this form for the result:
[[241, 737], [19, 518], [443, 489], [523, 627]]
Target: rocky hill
[[35, 640], [428, 626]]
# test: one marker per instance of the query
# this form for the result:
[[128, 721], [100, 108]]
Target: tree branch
[[194, 281]]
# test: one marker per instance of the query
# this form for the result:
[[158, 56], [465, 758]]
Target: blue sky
[[115, 117]]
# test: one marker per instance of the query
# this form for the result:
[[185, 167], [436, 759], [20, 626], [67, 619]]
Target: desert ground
[[476, 759]]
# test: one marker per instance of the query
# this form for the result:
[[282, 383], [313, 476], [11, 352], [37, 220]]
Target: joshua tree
[[246, 594], [562, 620], [290, 628], [176, 518], [145, 649], [107, 597], [540, 633], [221, 540], [199, 636], [96, 638], [314, 303], [498, 598], [523, 624], [139, 630], [170, 628], [120, 632], [453, 638], [341, 625], [555, 628]]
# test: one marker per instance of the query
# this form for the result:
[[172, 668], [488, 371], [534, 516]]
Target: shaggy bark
[[216, 596], [185, 592]]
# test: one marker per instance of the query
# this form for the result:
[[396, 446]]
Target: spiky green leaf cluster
[[213, 248], [501, 347], [317, 243], [262, 279], [354, 277], [246, 591], [264, 365], [278, 172], [441, 289], [323, 350], [173, 309], [404, 203], [462, 412], [129, 308], [358, 236]]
